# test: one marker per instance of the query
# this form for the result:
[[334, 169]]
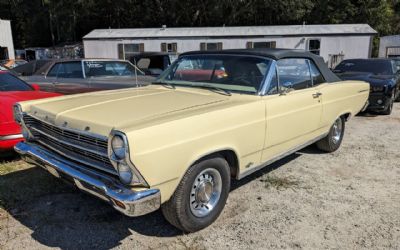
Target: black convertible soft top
[[275, 54]]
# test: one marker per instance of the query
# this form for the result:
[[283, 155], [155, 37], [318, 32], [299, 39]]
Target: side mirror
[[35, 87]]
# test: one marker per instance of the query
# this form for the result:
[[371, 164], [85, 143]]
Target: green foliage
[[48, 22]]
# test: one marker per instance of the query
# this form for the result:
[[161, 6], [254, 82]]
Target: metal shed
[[6, 40], [389, 46], [333, 42]]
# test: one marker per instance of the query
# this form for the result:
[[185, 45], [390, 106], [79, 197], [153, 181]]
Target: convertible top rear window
[[109, 68]]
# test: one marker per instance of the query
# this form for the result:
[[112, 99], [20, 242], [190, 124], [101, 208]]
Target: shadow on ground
[[61, 216]]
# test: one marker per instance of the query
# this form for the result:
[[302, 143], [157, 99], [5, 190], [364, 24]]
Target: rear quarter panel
[[345, 97]]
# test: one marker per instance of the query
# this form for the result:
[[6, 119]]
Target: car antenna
[[134, 60]]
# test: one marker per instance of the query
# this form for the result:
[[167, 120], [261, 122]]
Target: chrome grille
[[87, 149]]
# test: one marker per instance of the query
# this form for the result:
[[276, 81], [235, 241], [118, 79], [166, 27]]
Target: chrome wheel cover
[[337, 131], [205, 192]]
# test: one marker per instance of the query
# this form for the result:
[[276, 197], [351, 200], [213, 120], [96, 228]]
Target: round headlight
[[125, 173], [118, 147]]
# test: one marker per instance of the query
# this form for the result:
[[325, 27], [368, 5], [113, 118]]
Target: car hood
[[374, 80], [100, 112]]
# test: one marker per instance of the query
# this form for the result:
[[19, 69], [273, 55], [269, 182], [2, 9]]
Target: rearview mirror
[[35, 87]]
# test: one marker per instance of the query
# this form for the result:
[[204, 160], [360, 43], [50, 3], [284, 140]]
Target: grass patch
[[21, 182], [271, 181]]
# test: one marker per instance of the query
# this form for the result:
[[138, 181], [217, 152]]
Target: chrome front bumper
[[123, 199]]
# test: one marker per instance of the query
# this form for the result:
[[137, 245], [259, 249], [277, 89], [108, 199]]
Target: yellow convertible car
[[210, 117]]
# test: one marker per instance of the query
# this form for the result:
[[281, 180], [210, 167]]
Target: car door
[[107, 75], [293, 108], [70, 78], [46, 81]]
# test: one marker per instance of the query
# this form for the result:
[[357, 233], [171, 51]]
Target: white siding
[[6, 37], [350, 46], [388, 42]]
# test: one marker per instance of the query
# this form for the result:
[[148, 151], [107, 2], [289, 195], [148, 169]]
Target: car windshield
[[9, 82], [377, 67], [109, 68], [227, 72]]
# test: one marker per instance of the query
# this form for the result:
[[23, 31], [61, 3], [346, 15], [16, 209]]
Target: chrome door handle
[[316, 95]]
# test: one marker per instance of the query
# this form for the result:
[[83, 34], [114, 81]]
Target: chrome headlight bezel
[[18, 114], [118, 147], [127, 172]]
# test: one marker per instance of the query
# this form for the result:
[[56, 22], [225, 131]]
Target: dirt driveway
[[349, 199]]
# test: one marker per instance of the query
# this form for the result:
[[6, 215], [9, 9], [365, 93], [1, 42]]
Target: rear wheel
[[201, 195], [333, 140]]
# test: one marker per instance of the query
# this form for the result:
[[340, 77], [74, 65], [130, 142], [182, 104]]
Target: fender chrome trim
[[11, 137]]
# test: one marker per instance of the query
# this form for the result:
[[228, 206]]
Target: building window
[[126, 51], [314, 46], [257, 45], [210, 46], [169, 47]]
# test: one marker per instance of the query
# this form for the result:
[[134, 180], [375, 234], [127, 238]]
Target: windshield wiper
[[165, 84], [211, 87]]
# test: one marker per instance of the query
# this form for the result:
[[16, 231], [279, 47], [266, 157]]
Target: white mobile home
[[389, 46], [6, 40], [333, 42]]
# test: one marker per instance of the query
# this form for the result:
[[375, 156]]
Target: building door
[[3, 53], [393, 51]]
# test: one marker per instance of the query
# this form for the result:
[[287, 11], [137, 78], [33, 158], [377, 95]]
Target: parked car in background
[[177, 143], [87, 75], [153, 63], [383, 75], [34, 67], [12, 63], [14, 90]]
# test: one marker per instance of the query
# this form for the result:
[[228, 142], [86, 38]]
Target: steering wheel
[[243, 80]]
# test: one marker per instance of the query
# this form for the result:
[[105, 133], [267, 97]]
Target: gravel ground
[[349, 199]]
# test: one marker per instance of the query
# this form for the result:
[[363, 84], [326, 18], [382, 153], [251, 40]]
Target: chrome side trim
[[268, 79], [278, 157], [11, 137], [129, 202]]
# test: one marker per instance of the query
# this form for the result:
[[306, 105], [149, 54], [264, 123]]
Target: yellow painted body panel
[[170, 129]]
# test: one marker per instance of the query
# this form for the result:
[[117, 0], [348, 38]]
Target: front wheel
[[332, 141], [201, 195], [389, 108]]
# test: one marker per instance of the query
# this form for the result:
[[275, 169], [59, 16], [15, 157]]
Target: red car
[[12, 90]]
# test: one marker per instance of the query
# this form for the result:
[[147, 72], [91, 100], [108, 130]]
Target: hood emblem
[[87, 128], [65, 124]]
